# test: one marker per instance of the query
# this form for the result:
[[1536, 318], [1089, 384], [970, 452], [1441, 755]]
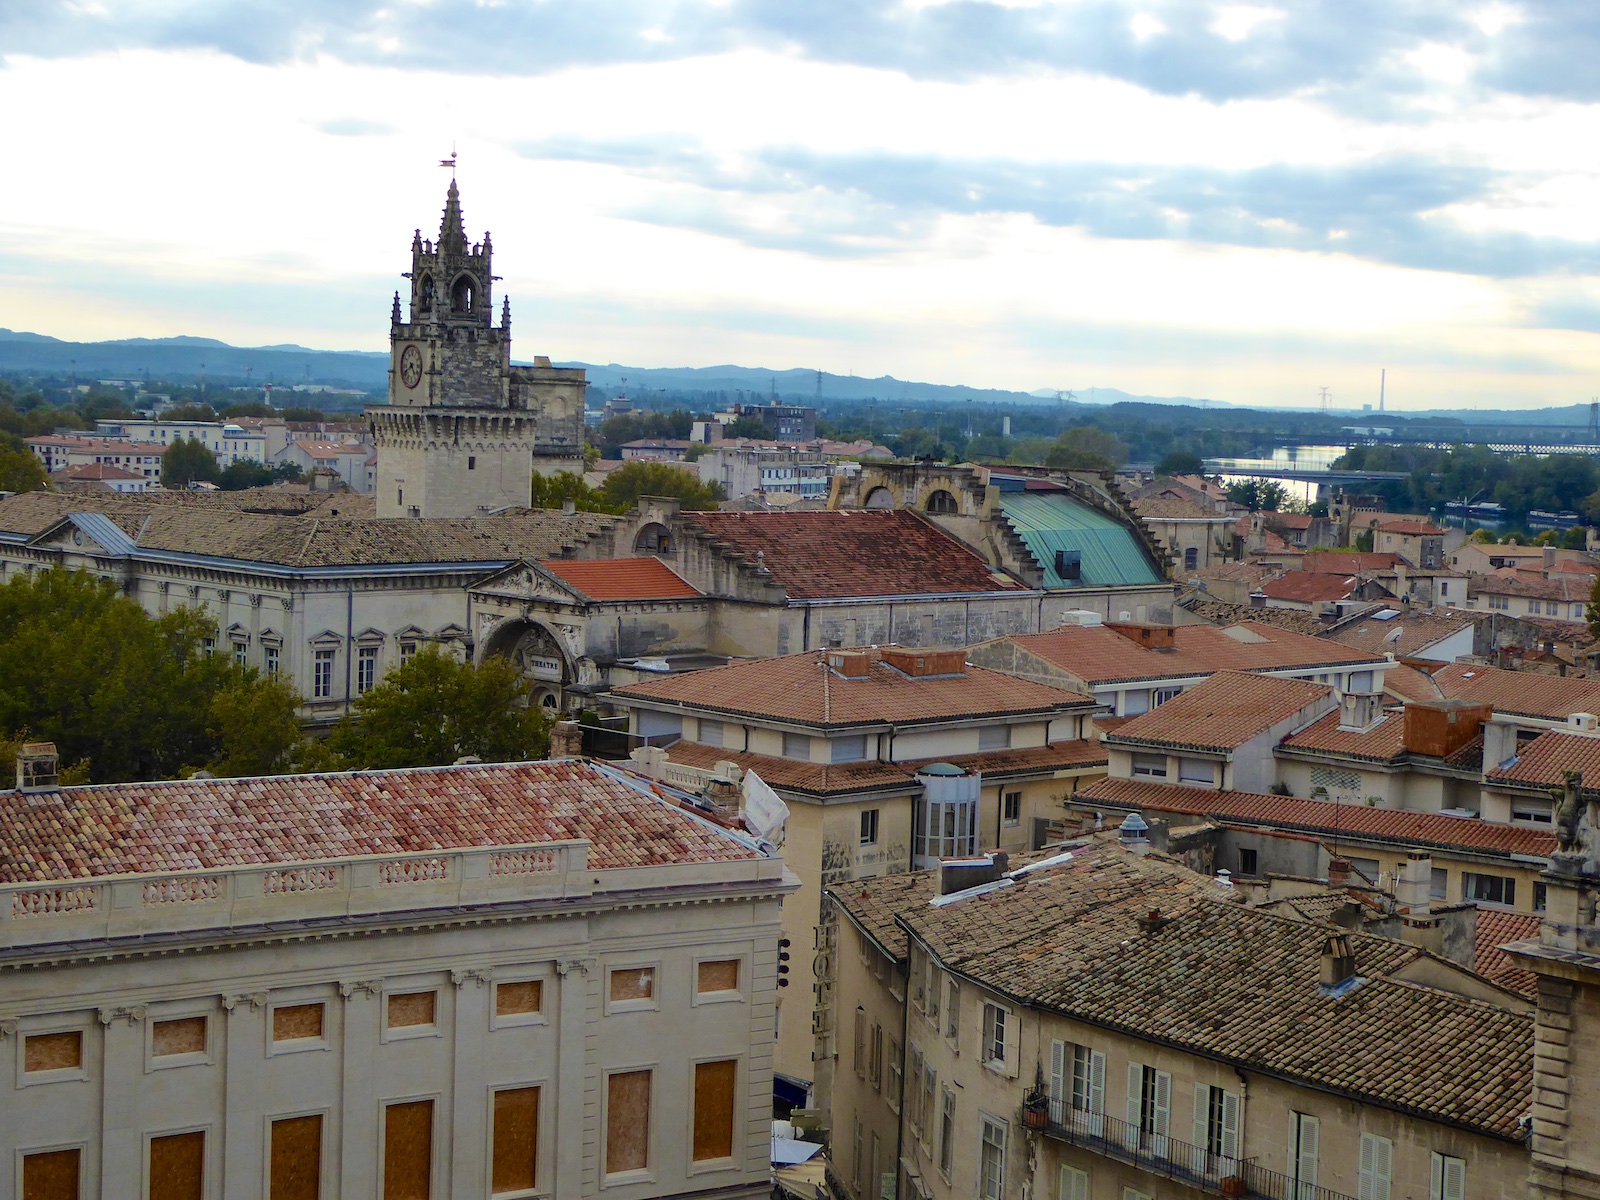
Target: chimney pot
[[1338, 964]]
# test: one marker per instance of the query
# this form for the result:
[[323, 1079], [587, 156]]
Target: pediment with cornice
[[524, 583]]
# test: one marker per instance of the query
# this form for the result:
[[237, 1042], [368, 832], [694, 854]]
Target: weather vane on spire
[[451, 161]]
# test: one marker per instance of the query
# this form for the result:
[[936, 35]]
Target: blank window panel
[[408, 1150], [296, 1022], [410, 1009], [186, 1035], [635, 983], [50, 1176], [713, 1109], [519, 999], [719, 975], [516, 1140], [53, 1051], [627, 1121], [296, 1159], [178, 1166]]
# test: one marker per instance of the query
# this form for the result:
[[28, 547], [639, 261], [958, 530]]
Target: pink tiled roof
[[802, 688], [1224, 711], [1324, 818], [1309, 586], [1505, 582], [1496, 928], [185, 825], [1519, 693], [1409, 683], [1382, 743], [859, 552], [1328, 562], [1541, 762], [1411, 528], [622, 578]]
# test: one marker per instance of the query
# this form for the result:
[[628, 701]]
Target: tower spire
[[452, 232]]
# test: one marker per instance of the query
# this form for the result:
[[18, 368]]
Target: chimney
[[959, 874], [38, 768], [1338, 971], [1499, 743], [850, 664], [1134, 834], [1151, 637], [566, 739], [920, 664], [1438, 728], [1549, 557], [1413, 889], [1359, 711], [1338, 872]]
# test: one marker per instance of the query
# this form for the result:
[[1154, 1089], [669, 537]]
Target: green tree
[[20, 470], [311, 415], [434, 710], [256, 725], [1181, 462], [554, 491], [1591, 614], [246, 473], [187, 461], [1087, 447], [1259, 495], [628, 482], [190, 412], [1576, 538], [749, 425]]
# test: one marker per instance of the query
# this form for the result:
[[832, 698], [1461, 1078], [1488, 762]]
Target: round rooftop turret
[[940, 769]]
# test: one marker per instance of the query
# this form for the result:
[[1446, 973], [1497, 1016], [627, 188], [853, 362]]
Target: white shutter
[[1455, 1178], [1074, 1184], [1058, 1073], [1161, 1114], [1202, 1117], [1230, 1126], [1382, 1171], [1097, 1082], [1436, 1177], [1013, 1059], [1367, 1187], [1306, 1173], [1135, 1096]]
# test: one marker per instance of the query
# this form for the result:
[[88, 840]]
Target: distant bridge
[[1304, 474]]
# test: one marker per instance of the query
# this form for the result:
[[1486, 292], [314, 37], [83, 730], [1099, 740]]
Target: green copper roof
[[1049, 521]]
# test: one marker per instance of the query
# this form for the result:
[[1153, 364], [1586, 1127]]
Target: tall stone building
[[464, 430]]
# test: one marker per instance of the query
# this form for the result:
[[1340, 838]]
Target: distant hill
[[184, 359]]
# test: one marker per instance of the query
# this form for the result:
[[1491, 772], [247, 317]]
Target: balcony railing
[[1163, 1155]]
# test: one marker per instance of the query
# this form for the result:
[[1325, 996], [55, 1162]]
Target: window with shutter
[[1448, 1178], [929, 1091], [952, 1012], [1074, 1184], [1376, 1153], [994, 1036], [992, 1159], [947, 1131], [860, 1060], [1304, 1133], [627, 1121], [1058, 1078], [1230, 1127]]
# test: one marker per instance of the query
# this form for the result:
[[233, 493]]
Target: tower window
[[427, 293], [472, 462], [462, 294]]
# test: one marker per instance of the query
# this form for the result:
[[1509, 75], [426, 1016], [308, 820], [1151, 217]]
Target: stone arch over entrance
[[880, 497], [537, 653]]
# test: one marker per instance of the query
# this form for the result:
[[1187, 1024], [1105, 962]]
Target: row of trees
[[188, 461], [623, 487], [1522, 482], [127, 696]]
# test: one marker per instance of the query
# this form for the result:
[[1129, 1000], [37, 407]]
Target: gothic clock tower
[[464, 430]]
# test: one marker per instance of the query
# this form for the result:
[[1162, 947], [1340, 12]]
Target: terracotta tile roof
[[1325, 819], [1219, 612], [1543, 760], [875, 905], [331, 449], [1519, 693], [1309, 586], [1412, 528], [1172, 508], [622, 578], [1287, 520], [859, 552], [1233, 983], [1409, 683], [1223, 712], [94, 471], [185, 825], [1097, 654], [802, 689], [1328, 562], [1418, 631], [1496, 928], [1573, 589], [1382, 743]]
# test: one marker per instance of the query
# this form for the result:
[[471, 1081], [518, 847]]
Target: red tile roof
[[194, 824], [1417, 631], [95, 471], [1309, 586], [1287, 520], [1569, 588], [1496, 928], [1324, 818], [1412, 528], [622, 578], [1542, 762], [1409, 683], [859, 552], [1098, 654], [803, 689], [1328, 562], [1223, 712], [1382, 743], [1519, 693]]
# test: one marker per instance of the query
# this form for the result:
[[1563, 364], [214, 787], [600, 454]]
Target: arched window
[[1191, 559], [425, 294], [941, 501], [463, 294], [654, 538], [880, 497]]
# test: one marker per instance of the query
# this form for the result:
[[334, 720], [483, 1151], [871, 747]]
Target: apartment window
[[1216, 1121], [994, 1035], [869, 827], [1493, 889], [1438, 883], [711, 733], [855, 1157], [914, 1096], [1149, 766], [1541, 897], [627, 1121], [847, 749], [208, 646], [1447, 1178], [925, 1109], [1196, 770], [875, 1057], [51, 1175], [1011, 808], [719, 975], [1191, 558], [714, 1096], [322, 675], [991, 1158], [241, 652], [408, 651], [184, 1036], [933, 993], [1536, 812], [797, 745], [411, 1010], [519, 998], [1304, 1133], [297, 1023], [1150, 1104], [1377, 1153], [952, 1011], [515, 1167], [1444, 587], [472, 462], [269, 659], [295, 1169], [177, 1166], [1247, 861], [994, 737], [408, 1150], [859, 1059], [366, 668], [896, 1081], [43, 1052], [1135, 703], [1161, 695], [947, 1130], [633, 985]]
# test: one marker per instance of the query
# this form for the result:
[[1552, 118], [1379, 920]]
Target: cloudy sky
[[1248, 202]]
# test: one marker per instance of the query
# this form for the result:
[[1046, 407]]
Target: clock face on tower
[[411, 366]]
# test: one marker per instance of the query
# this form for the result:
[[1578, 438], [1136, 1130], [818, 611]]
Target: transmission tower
[[1326, 397]]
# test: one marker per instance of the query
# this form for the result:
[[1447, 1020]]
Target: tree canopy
[[433, 710], [130, 695], [1086, 447], [186, 461], [627, 483], [1259, 495], [1181, 462], [20, 468]]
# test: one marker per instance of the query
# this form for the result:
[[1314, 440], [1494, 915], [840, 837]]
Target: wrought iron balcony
[[1163, 1155]]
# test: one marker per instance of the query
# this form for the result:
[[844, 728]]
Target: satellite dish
[[1393, 636]]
